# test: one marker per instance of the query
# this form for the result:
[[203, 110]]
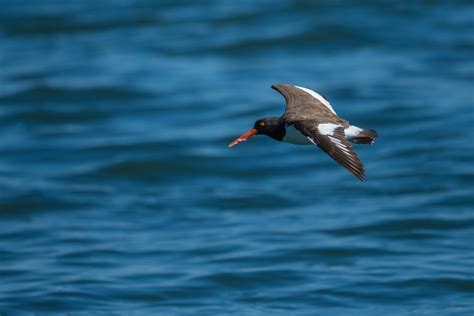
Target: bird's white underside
[[294, 136], [319, 97]]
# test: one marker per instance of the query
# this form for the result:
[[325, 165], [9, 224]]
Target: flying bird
[[310, 119]]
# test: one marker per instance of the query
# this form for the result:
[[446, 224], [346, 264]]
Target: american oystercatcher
[[310, 119]]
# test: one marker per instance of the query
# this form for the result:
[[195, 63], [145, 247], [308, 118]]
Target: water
[[118, 194]]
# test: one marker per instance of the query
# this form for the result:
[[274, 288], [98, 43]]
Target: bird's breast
[[294, 136]]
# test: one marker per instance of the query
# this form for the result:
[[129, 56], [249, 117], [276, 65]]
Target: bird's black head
[[270, 126]]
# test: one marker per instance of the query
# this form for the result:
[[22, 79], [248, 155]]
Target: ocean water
[[119, 196]]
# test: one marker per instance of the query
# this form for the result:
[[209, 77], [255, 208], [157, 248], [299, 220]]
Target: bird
[[309, 119]]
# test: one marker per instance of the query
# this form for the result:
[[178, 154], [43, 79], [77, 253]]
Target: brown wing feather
[[333, 145], [300, 105]]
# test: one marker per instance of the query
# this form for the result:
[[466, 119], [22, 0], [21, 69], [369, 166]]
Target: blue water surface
[[119, 196]]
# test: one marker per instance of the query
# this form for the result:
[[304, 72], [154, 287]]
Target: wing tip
[[278, 86], [360, 176], [356, 170]]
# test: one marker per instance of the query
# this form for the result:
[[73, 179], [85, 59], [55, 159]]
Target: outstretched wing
[[304, 104], [331, 138]]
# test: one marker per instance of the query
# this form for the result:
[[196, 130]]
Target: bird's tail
[[365, 136]]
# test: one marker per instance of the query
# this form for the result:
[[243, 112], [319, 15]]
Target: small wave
[[53, 93], [427, 227]]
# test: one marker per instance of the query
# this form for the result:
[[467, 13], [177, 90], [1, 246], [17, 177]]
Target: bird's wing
[[304, 104], [331, 138]]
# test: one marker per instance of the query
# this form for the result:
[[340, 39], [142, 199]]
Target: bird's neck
[[277, 129]]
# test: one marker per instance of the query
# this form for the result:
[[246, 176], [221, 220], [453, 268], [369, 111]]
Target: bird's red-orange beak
[[244, 137]]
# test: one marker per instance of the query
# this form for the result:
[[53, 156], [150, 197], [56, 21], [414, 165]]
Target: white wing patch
[[311, 140], [336, 142], [319, 97], [352, 131], [340, 145], [327, 128]]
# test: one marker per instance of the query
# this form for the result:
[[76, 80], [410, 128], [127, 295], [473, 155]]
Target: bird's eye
[[262, 124]]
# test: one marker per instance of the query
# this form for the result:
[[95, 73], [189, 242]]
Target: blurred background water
[[118, 194]]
